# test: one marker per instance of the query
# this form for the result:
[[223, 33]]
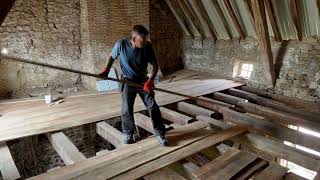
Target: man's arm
[[106, 70], [155, 69]]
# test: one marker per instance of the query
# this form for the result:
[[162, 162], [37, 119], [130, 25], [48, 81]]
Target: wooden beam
[[164, 173], [183, 17], [292, 176], [179, 19], [272, 150], [277, 116], [174, 116], [181, 153], [295, 16], [225, 166], [189, 12], [235, 19], [270, 103], [297, 103], [273, 21], [110, 134], [260, 164], [265, 46], [202, 11], [145, 123], [273, 171], [68, 152], [223, 19], [193, 109], [7, 166]]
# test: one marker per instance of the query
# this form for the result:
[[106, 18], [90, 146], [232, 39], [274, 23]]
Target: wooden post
[[263, 35]]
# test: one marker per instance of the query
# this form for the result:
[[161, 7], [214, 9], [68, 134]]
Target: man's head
[[139, 36]]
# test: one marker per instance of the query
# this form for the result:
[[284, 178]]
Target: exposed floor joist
[[193, 109], [174, 116], [68, 152], [7, 166], [110, 134]]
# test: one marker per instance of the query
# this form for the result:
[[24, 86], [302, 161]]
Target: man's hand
[[105, 72], [148, 85]]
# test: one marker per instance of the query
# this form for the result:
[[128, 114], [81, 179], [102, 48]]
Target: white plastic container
[[48, 99]]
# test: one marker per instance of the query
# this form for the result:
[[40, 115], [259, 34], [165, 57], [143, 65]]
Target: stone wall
[[44, 31], [297, 63]]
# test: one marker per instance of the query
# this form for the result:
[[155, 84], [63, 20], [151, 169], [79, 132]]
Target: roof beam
[[186, 7], [68, 152], [180, 21], [183, 17], [263, 36], [295, 16], [7, 166], [223, 19], [272, 19], [234, 19], [198, 4]]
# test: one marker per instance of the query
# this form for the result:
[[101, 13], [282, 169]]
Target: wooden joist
[[292, 176], [234, 19], [257, 166], [263, 35], [180, 21], [270, 103], [193, 109], [68, 152], [7, 166], [273, 171], [275, 115], [269, 148], [225, 166], [273, 22], [145, 156], [295, 17], [145, 123], [222, 18], [164, 173], [109, 133], [298, 103], [174, 116]]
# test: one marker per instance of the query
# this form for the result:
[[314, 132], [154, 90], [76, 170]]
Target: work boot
[[162, 140], [128, 139]]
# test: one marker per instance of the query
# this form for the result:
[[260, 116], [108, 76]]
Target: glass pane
[[245, 66], [250, 67]]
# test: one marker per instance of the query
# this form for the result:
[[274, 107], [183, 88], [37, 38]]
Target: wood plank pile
[[246, 142]]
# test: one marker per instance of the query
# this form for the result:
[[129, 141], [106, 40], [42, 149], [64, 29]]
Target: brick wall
[[166, 36]]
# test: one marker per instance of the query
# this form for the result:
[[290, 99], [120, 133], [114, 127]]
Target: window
[[246, 70], [242, 69]]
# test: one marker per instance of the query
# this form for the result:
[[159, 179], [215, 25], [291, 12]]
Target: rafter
[[206, 18], [223, 19], [234, 19], [181, 14], [272, 19], [180, 21], [264, 39], [186, 7], [295, 16]]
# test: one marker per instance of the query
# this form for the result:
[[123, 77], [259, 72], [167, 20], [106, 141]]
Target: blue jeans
[[129, 94]]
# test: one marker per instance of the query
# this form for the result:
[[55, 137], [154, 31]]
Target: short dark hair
[[140, 30]]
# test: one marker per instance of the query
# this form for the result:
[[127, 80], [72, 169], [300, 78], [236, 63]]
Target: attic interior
[[238, 90]]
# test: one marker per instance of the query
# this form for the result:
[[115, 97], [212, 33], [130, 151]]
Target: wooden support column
[[68, 152], [7, 166], [193, 109], [109, 133], [272, 19], [263, 35], [295, 17], [174, 116]]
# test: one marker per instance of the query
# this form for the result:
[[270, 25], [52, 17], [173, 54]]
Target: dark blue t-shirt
[[134, 61]]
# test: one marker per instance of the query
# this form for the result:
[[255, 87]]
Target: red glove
[[105, 72], [148, 85]]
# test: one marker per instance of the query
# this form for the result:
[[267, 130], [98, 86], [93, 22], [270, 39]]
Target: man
[[135, 53]]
